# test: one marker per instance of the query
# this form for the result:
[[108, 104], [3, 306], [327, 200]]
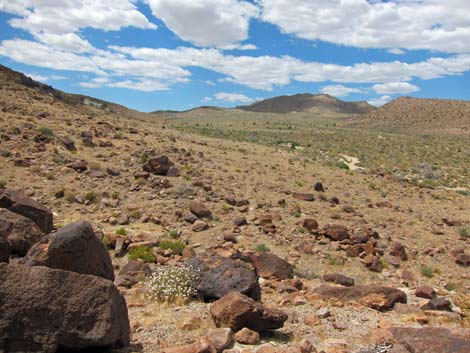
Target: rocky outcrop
[[237, 311], [27, 207], [158, 165], [375, 297], [73, 248], [45, 309], [432, 339], [221, 275], [20, 232]]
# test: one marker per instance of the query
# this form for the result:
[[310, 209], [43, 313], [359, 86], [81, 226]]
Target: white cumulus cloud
[[232, 97], [206, 23], [414, 24], [339, 90], [378, 102], [395, 88]]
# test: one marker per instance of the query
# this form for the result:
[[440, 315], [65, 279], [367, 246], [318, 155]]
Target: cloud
[[232, 97], [395, 88], [426, 24], [206, 23], [339, 90], [380, 101], [396, 51], [36, 77]]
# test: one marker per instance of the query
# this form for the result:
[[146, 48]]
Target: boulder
[[339, 279], [433, 339], [236, 310], [44, 310], [158, 165], [271, 266], [221, 275], [20, 232], [220, 338], [27, 207], [440, 304], [4, 250], [319, 187], [73, 248], [398, 250], [132, 273], [462, 259], [310, 224], [247, 336], [376, 297], [425, 292], [68, 143], [336, 232], [199, 209]]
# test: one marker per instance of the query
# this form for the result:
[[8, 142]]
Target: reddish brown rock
[[271, 266], [220, 338], [425, 292], [158, 165], [462, 259], [247, 336], [20, 232], [303, 196], [336, 232], [398, 250], [310, 224], [237, 311], [43, 309], [4, 250], [432, 339], [73, 248], [376, 297], [199, 209], [339, 279], [27, 207], [440, 304]]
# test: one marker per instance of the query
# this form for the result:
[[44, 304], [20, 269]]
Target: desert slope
[[417, 115]]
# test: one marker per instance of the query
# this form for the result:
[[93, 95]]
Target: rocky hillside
[[417, 115], [319, 103], [98, 106], [126, 234]]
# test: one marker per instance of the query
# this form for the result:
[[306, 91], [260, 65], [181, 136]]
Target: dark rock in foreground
[[221, 275], [27, 207], [43, 309], [271, 266], [73, 248], [20, 232]]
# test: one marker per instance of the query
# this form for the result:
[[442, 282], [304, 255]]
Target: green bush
[[173, 233], [427, 271], [342, 165], [176, 245], [46, 131], [262, 248], [91, 196], [144, 253], [121, 231], [464, 232]]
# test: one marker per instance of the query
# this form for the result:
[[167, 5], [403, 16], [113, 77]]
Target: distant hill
[[418, 115], [9, 76], [318, 103]]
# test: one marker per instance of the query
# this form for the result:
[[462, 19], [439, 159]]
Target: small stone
[[425, 292], [247, 336]]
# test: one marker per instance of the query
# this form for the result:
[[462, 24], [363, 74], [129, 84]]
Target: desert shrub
[[451, 286], [46, 131], [427, 271], [171, 283], [90, 196], [69, 196], [342, 165], [144, 158], [174, 233], [176, 245], [3, 184], [464, 232], [121, 231], [118, 136], [144, 253], [115, 195], [262, 248]]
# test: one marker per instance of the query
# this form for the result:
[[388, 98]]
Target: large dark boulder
[[27, 207], [433, 339], [20, 232], [271, 266], [43, 310], [376, 297], [221, 275], [237, 311], [73, 248]]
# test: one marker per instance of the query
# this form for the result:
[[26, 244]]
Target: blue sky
[[178, 54]]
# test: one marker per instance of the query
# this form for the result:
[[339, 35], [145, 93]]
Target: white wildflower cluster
[[172, 283]]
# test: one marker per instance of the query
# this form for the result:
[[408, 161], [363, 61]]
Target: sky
[[179, 54]]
